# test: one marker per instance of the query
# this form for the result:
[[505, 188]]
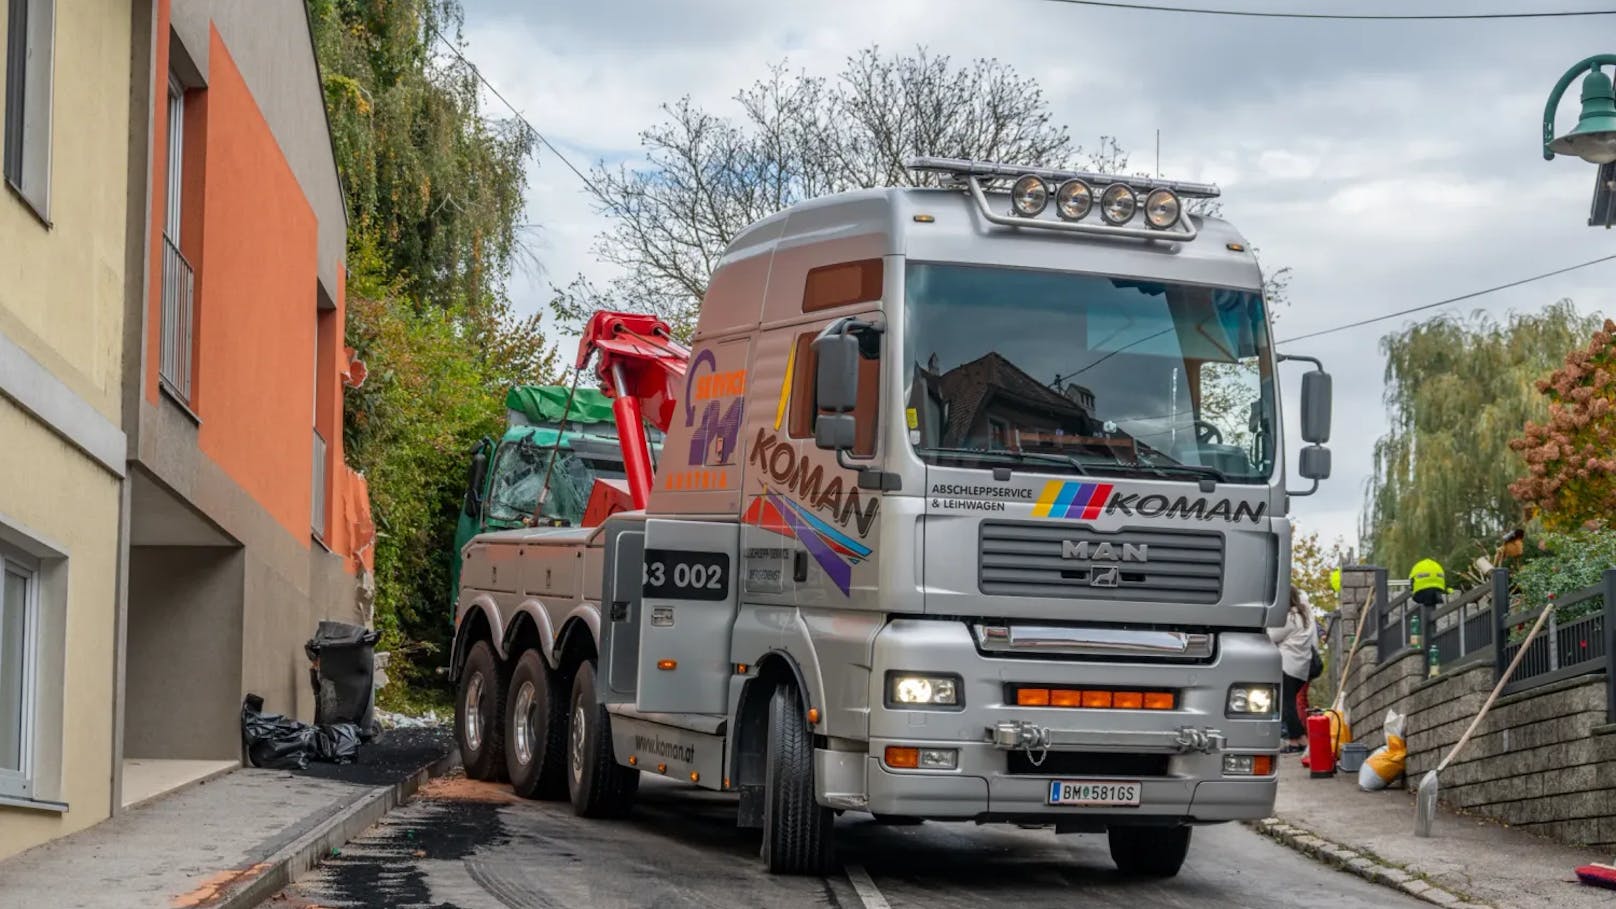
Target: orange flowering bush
[[1570, 458]]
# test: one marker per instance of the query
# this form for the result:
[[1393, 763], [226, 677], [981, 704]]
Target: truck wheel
[[480, 714], [797, 831], [535, 730], [1149, 851], [599, 786]]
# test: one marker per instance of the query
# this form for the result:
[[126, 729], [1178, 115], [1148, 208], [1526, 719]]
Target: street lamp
[[1594, 138]]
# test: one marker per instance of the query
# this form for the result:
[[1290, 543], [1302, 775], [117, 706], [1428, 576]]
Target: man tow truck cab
[[972, 508]]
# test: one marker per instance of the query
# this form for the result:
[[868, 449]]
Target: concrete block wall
[[1544, 760]]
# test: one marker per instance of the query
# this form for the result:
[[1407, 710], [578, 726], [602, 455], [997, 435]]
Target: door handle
[[799, 566], [620, 610]]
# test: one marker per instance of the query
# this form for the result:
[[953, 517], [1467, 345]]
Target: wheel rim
[[577, 750], [474, 712], [522, 735]]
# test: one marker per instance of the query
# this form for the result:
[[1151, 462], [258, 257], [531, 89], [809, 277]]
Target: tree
[[1457, 391], [1570, 479], [434, 194], [1311, 564]]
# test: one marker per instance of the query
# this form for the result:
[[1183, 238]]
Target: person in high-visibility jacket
[[1428, 581], [1335, 579]]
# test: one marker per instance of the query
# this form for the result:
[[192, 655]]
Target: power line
[[588, 184], [1359, 17], [1474, 293]]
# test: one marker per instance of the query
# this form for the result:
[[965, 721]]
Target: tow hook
[[1014, 734], [1203, 740]]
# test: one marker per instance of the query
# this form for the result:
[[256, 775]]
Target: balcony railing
[[317, 516], [178, 284]]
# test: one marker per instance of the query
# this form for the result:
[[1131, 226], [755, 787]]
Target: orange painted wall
[[257, 299]]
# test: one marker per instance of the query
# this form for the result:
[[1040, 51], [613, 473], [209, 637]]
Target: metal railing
[[1465, 630], [178, 313], [317, 515]]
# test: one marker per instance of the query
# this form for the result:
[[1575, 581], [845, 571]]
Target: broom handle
[[1502, 681], [1357, 641]]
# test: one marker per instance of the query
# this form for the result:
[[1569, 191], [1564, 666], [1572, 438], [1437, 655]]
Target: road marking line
[[868, 893]]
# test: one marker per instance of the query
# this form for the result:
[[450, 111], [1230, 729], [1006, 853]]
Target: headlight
[[907, 689], [1118, 203], [1252, 700], [1029, 195], [1073, 200], [1162, 208]]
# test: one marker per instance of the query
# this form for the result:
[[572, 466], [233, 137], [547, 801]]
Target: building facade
[[66, 259], [210, 507]]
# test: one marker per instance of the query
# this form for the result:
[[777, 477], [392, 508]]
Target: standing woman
[[1296, 639]]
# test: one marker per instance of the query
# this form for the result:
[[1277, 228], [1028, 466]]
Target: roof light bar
[[960, 168], [1123, 198]]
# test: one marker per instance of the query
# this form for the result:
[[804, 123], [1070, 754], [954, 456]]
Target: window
[[178, 279], [19, 621], [804, 402], [30, 26]]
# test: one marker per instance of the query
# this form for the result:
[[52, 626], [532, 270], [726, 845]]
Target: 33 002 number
[[684, 575]]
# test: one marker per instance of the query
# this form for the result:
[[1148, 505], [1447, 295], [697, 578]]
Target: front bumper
[[1193, 738]]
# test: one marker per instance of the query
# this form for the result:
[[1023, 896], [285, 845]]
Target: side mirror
[[1314, 463], [1316, 394], [836, 381], [835, 431], [475, 477]]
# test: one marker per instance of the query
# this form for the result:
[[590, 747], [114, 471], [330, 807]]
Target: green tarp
[[547, 403]]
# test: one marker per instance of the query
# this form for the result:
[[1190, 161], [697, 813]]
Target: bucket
[[1353, 755]]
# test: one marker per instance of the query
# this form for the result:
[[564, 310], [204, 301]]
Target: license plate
[[1093, 792]]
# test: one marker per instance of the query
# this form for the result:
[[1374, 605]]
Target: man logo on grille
[[1107, 576], [1105, 552]]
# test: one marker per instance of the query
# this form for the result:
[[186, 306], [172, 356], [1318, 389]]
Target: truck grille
[[1163, 566]]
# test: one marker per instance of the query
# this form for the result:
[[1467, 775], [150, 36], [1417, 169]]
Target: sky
[[1387, 164]]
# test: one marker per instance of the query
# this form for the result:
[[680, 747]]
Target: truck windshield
[[1081, 373], [519, 475]]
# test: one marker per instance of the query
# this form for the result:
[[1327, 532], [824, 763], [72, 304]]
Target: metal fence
[[1465, 629], [178, 297], [317, 515]]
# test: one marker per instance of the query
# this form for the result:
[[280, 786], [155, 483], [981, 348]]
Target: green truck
[[504, 479]]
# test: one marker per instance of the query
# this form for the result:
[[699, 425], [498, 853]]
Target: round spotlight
[[1029, 196], [1162, 208], [1118, 204], [1073, 200]]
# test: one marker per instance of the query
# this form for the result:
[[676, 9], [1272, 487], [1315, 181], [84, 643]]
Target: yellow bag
[[1388, 761]]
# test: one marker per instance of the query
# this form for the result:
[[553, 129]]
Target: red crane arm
[[640, 367]]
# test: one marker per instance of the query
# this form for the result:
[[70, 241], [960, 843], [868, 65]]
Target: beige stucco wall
[[70, 503], [62, 303], [62, 288]]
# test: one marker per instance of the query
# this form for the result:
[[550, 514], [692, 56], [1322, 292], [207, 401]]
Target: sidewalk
[[1466, 860], [229, 843]]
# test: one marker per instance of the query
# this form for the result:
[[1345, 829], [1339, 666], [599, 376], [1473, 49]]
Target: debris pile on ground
[[281, 743], [391, 720]]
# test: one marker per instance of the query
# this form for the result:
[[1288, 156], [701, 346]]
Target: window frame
[[19, 783], [25, 128], [174, 173]]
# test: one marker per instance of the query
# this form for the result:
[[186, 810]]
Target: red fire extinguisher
[[1320, 750]]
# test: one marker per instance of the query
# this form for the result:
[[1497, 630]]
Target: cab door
[[687, 614]]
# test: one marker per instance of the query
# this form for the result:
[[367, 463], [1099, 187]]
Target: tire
[[598, 785], [797, 831], [535, 730], [480, 726], [1149, 851]]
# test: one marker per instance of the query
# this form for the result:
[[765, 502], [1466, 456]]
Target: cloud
[[1388, 164]]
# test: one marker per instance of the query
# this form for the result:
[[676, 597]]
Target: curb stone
[[280, 870], [1363, 865]]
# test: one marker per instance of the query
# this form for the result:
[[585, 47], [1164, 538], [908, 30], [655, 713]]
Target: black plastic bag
[[274, 741], [337, 743]]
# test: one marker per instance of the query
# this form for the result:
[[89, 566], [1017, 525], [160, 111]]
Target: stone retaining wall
[[1544, 760]]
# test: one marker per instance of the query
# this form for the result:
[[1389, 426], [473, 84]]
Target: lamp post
[[1593, 139]]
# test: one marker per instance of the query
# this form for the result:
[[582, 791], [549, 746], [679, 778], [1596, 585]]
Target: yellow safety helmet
[[1427, 575], [1335, 580]]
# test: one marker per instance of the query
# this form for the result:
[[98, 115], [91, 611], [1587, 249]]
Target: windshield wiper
[[1018, 457], [1211, 473]]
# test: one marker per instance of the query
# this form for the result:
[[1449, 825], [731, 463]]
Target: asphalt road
[[475, 846]]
